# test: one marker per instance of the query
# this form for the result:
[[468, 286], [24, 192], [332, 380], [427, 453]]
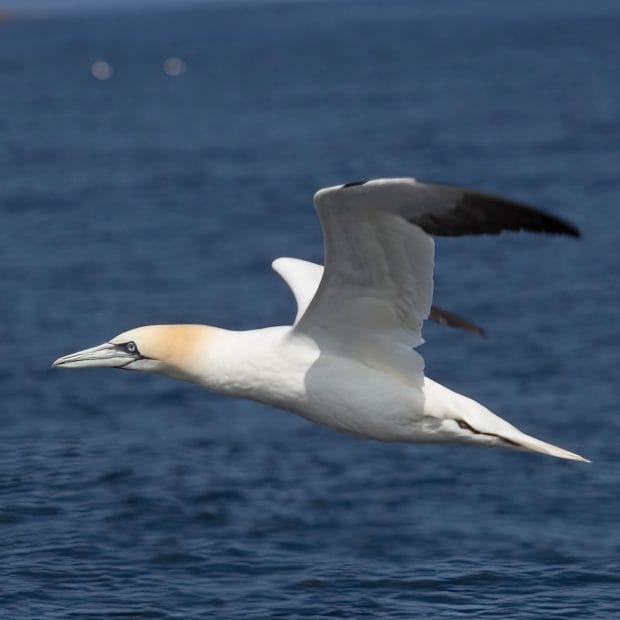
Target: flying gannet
[[349, 360]]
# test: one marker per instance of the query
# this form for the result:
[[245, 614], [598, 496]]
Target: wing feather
[[377, 285]]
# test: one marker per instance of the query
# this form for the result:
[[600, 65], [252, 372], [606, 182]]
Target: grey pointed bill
[[105, 355]]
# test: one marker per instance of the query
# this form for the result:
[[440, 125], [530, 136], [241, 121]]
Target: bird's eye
[[131, 347]]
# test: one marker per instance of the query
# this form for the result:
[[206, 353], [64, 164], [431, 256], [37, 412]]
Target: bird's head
[[174, 350]]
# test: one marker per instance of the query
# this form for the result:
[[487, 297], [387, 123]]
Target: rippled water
[[147, 198]]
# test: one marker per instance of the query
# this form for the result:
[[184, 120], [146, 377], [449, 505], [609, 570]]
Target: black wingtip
[[354, 183], [516, 216], [473, 212]]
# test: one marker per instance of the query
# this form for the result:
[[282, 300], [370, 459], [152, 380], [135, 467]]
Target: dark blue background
[[147, 198]]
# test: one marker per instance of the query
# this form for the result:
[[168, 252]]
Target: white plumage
[[349, 360]]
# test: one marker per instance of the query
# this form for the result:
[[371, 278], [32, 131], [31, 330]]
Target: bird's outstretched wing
[[377, 286]]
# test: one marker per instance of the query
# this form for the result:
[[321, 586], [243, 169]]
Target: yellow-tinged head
[[175, 350]]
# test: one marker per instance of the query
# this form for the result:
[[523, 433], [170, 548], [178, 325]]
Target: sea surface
[[155, 198]]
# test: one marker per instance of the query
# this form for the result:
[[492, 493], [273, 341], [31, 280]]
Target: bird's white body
[[277, 367], [349, 360]]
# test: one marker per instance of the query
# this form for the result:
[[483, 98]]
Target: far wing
[[303, 278], [378, 282]]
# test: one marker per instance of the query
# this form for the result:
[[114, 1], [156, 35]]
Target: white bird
[[349, 360]]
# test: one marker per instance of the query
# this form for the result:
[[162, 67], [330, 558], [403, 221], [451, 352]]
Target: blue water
[[147, 198]]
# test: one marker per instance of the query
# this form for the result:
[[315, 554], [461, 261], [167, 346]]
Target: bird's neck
[[226, 361]]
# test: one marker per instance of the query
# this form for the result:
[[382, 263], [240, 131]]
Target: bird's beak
[[105, 355]]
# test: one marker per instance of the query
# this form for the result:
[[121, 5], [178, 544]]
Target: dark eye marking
[[128, 347], [132, 348]]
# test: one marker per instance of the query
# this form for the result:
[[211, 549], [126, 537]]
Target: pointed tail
[[527, 442], [482, 425]]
